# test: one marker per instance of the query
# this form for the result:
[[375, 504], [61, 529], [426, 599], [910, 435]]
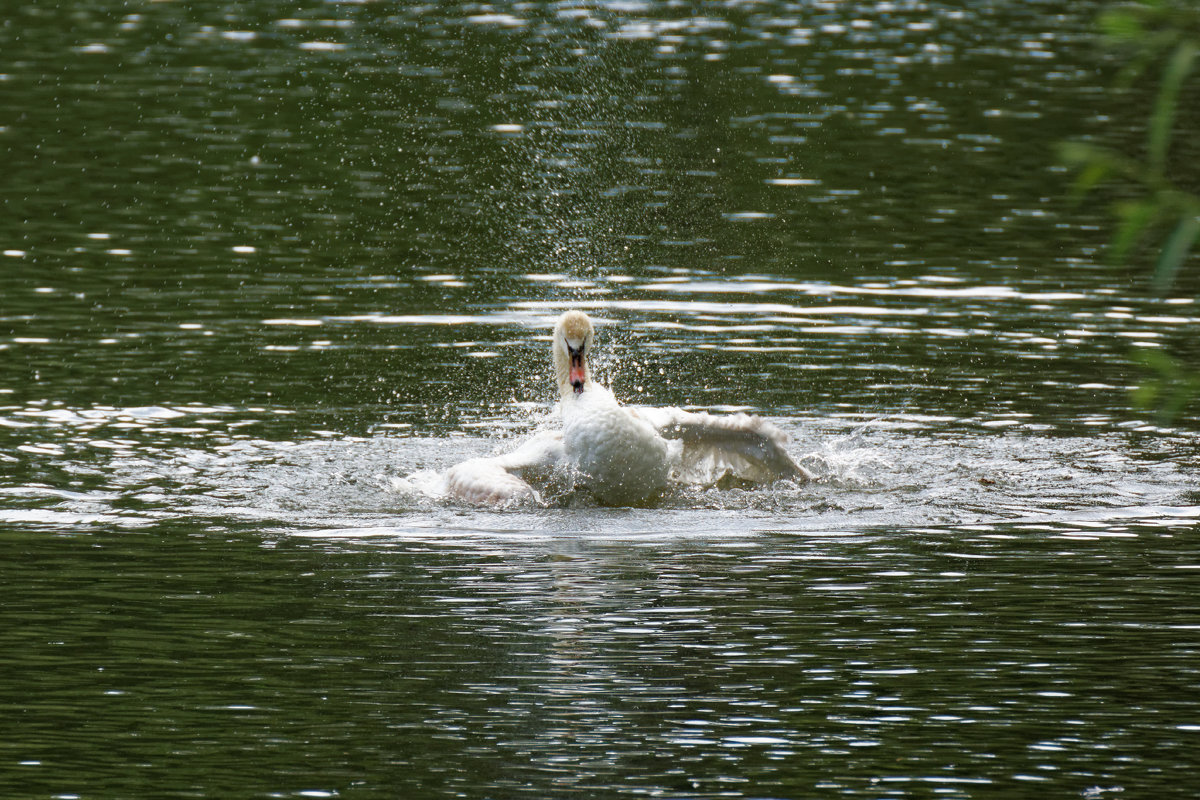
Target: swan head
[[573, 337]]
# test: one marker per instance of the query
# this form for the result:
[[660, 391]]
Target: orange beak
[[578, 374]]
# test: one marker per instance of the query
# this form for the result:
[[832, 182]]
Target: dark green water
[[268, 270]]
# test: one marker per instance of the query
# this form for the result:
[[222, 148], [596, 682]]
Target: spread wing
[[749, 447], [504, 479]]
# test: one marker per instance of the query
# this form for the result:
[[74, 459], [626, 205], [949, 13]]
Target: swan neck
[[571, 348]]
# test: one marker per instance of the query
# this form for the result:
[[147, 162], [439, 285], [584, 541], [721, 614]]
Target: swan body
[[624, 455]]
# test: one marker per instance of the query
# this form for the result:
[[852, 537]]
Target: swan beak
[[578, 373]]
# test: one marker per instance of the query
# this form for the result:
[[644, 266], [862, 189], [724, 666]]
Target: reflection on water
[[871, 664], [140, 466], [256, 263]]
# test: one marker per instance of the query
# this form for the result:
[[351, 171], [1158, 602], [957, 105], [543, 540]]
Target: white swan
[[623, 455]]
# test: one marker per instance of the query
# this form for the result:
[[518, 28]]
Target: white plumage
[[623, 455]]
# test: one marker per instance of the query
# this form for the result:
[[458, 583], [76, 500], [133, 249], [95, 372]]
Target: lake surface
[[268, 270]]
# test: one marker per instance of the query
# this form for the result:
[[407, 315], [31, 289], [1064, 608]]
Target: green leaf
[[1121, 24], [1077, 153], [1163, 118], [1130, 72], [1136, 217], [1091, 176], [1176, 251], [1162, 363], [1181, 396], [1170, 390], [1145, 394]]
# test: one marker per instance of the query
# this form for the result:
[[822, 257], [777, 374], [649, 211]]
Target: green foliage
[[1176, 70], [1145, 31], [1175, 251], [1170, 387], [1155, 207]]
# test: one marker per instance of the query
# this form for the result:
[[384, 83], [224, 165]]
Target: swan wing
[[713, 445], [504, 479]]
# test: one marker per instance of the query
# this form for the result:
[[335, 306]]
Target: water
[[261, 266]]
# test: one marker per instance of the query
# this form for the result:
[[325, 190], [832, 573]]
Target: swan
[[624, 455]]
